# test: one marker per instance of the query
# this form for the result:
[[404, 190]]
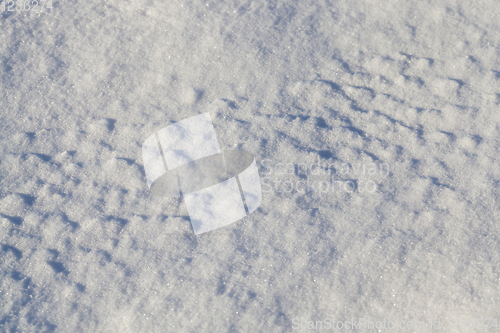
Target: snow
[[414, 85]]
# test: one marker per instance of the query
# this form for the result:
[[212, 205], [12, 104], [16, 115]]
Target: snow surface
[[414, 85]]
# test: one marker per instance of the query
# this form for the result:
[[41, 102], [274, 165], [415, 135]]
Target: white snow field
[[398, 101]]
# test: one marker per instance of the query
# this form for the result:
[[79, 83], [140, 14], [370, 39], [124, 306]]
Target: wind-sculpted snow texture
[[413, 86]]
